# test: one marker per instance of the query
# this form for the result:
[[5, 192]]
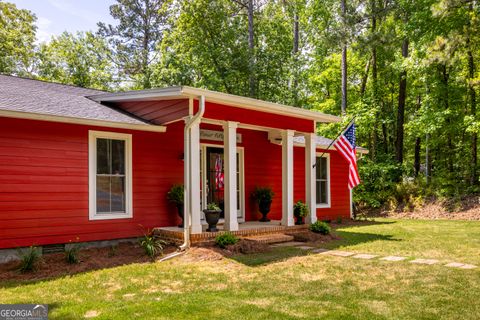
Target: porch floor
[[245, 229]]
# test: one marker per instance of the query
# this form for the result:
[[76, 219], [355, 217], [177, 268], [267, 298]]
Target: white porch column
[[287, 177], [230, 170], [310, 171], [194, 187]]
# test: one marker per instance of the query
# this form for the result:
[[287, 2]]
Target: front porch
[[246, 229]]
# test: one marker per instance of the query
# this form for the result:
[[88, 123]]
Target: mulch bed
[[54, 265]]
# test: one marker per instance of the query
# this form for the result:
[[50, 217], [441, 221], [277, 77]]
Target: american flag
[[346, 145]]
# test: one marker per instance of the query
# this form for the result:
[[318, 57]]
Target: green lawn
[[286, 283]]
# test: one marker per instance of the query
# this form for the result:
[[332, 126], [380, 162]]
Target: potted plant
[[212, 215], [175, 195], [300, 210], [263, 196]]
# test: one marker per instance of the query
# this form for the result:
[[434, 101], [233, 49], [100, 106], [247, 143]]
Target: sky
[[56, 16]]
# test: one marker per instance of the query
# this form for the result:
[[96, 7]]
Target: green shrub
[[213, 207], [225, 239], [339, 220], [320, 227], [28, 259], [263, 194], [71, 254], [152, 245], [300, 208], [175, 195]]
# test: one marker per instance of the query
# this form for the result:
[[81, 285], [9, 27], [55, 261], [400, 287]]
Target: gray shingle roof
[[34, 96]]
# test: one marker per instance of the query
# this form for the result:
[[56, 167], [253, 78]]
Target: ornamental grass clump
[[29, 259], [71, 254], [152, 245]]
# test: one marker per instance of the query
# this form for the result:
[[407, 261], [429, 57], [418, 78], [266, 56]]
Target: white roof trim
[[218, 97], [81, 121]]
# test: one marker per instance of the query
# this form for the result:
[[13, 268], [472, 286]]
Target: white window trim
[[92, 175], [329, 182]]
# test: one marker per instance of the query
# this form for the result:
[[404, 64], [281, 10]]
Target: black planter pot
[[180, 213], [264, 208], [296, 213], [212, 217]]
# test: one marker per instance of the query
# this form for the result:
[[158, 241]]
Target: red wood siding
[[44, 181], [245, 116]]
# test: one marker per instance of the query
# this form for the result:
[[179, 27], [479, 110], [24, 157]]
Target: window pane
[[118, 156], [103, 194], [323, 168], [318, 192], [323, 192], [317, 168], [118, 194], [103, 156]]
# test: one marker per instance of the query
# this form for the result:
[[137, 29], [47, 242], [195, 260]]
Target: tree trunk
[[473, 109], [251, 48], [417, 156], [363, 85], [295, 57], [473, 112], [402, 95], [379, 111], [344, 60]]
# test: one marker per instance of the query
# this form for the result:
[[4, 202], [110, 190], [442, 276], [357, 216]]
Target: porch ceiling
[[155, 111]]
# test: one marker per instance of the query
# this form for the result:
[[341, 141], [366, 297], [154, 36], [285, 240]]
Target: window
[[322, 179], [110, 175]]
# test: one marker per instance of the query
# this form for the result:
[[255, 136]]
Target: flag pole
[[331, 143]]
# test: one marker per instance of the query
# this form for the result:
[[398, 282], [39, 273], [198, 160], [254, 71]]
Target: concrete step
[[270, 238]]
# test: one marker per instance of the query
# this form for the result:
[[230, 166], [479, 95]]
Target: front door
[[213, 188]]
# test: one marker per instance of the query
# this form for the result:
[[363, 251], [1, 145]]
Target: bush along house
[[84, 164]]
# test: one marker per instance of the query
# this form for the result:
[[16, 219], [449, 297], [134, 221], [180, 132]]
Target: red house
[[86, 164]]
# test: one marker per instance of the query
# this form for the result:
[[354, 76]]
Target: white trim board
[[81, 121], [92, 175], [329, 182]]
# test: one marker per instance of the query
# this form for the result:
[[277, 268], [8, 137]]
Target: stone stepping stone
[[305, 247], [364, 256], [320, 250], [454, 265], [339, 253], [393, 258], [424, 261], [288, 244], [468, 266]]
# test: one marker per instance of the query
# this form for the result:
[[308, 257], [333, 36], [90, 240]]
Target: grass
[[286, 283]]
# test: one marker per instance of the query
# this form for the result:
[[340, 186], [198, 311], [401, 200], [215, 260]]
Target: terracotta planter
[[264, 208], [212, 217]]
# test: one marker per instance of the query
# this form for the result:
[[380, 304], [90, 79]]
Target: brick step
[[270, 238]]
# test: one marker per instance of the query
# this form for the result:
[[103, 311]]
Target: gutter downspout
[[186, 171]]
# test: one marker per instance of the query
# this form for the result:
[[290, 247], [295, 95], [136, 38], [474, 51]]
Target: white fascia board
[[81, 121]]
